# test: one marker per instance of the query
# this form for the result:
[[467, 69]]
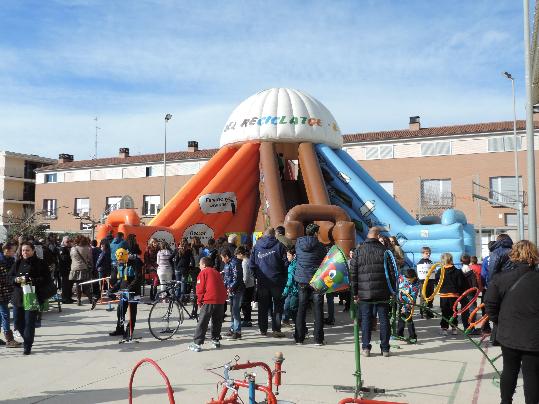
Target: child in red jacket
[[211, 297]]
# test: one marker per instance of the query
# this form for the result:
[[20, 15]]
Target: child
[[409, 284], [249, 281], [291, 291], [470, 281], [452, 288], [423, 266], [211, 297], [233, 278]]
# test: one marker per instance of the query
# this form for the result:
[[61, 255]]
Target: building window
[[150, 205], [379, 152], [82, 206], [113, 203], [504, 143], [49, 208], [503, 189], [388, 186], [511, 219], [149, 171], [51, 178], [436, 148], [436, 192]]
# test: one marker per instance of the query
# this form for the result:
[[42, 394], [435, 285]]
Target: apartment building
[[17, 187], [75, 195], [427, 170], [432, 169]]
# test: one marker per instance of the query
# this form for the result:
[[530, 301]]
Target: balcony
[[506, 198], [433, 204], [15, 174]]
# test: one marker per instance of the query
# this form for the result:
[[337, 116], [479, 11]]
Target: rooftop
[[130, 160], [437, 131]]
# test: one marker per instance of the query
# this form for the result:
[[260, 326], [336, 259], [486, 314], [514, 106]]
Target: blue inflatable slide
[[368, 204]]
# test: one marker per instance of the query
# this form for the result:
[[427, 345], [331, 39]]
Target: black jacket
[[64, 260], [34, 269], [269, 263], [309, 255], [367, 273], [454, 281], [183, 261], [517, 311]]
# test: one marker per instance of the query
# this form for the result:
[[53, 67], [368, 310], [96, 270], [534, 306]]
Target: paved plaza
[[75, 361]]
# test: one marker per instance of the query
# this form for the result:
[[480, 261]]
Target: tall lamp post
[[520, 213], [168, 117], [530, 154]]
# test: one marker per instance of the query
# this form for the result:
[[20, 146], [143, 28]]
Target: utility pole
[[168, 117], [532, 220]]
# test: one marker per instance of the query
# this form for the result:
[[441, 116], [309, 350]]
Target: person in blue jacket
[[309, 255], [233, 278], [499, 257], [269, 266]]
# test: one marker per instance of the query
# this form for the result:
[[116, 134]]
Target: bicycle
[[167, 312]]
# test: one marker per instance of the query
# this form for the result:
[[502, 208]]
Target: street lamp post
[[520, 209], [168, 117], [530, 154]]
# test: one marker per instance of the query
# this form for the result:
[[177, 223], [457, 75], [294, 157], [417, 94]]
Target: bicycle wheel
[[165, 318]]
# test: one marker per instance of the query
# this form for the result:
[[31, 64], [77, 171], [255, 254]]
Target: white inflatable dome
[[282, 115]]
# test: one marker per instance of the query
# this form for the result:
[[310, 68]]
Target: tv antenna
[[96, 129]]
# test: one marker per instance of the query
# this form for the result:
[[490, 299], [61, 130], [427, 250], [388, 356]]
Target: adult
[[499, 257], [104, 261], [269, 265], [280, 235], [309, 255], [498, 262], [64, 268], [164, 263], [370, 289], [242, 254], [7, 259], [150, 266], [183, 262], [511, 304], [82, 268], [397, 251], [28, 270]]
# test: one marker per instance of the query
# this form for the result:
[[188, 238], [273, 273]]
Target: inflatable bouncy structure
[[280, 162]]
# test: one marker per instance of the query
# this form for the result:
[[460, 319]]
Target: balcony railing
[[506, 198]]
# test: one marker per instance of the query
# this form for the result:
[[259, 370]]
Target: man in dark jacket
[[309, 255], [64, 267], [369, 284], [498, 262], [499, 256], [269, 265]]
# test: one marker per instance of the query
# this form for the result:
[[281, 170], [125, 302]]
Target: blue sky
[[372, 63]]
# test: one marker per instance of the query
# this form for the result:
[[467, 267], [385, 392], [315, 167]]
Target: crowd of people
[[274, 275]]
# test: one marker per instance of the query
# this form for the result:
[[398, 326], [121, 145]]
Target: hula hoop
[[465, 308], [472, 324], [438, 286], [389, 254], [410, 303]]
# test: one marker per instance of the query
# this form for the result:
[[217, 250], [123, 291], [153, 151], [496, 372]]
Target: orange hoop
[[472, 324]]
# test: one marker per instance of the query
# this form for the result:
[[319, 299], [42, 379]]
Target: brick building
[[426, 169], [17, 186]]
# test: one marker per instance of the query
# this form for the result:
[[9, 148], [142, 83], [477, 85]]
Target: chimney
[[192, 146], [65, 158], [415, 123], [536, 113], [124, 152]]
